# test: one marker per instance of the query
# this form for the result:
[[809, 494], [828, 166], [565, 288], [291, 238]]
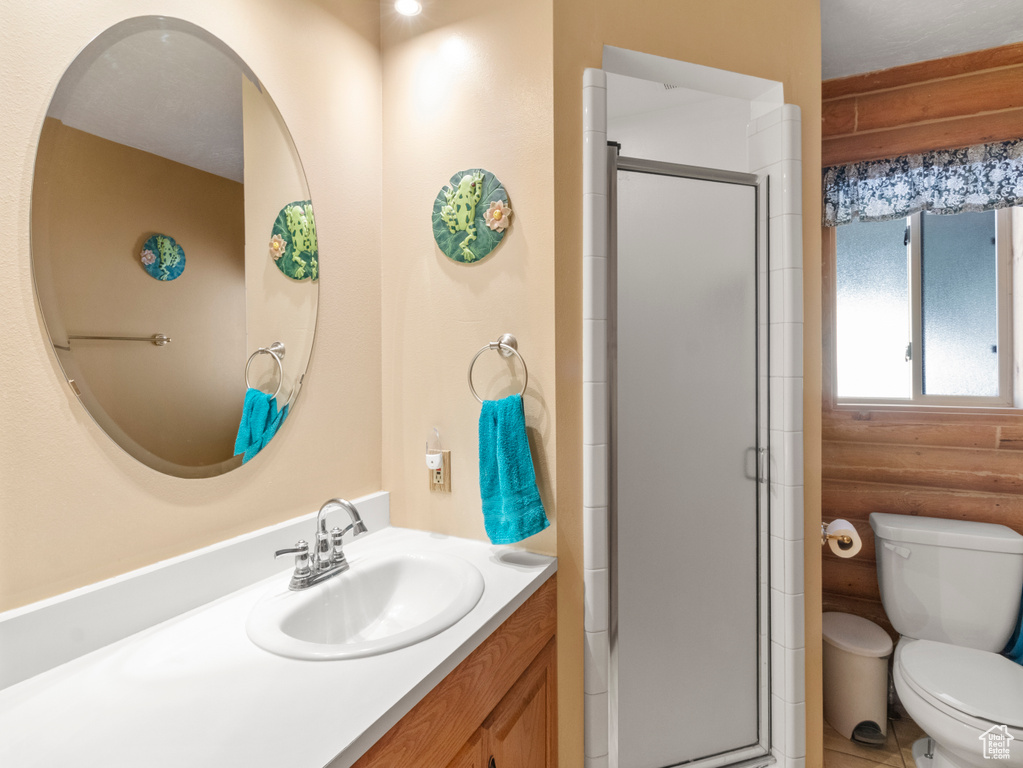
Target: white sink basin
[[381, 603]]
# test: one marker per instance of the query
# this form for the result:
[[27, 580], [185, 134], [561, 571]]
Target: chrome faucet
[[325, 558]]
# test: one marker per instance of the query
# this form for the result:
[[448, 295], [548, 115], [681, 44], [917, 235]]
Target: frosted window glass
[[872, 320], [960, 304]]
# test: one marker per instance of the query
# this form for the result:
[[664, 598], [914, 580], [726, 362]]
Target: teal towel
[[260, 422], [1014, 650], [512, 509]]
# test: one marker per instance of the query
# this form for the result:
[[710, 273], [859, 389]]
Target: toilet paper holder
[[843, 540]]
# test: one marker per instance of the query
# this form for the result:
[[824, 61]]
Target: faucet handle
[[338, 555], [300, 547], [301, 553]]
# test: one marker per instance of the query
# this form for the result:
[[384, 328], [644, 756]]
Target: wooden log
[[922, 71], [838, 117], [971, 469], [974, 94], [923, 137], [908, 433], [856, 500], [1010, 438], [924, 415], [852, 578]]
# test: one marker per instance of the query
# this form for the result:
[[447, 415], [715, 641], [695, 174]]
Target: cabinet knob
[[492, 763]]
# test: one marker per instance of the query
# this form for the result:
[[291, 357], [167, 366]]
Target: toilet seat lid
[[977, 683]]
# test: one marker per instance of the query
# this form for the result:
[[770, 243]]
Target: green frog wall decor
[[470, 215]]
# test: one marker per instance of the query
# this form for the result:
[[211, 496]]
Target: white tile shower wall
[[774, 152], [595, 427]]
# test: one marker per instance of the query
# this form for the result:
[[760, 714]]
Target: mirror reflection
[[169, 201]]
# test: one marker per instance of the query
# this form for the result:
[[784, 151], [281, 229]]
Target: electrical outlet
[[440, 478]]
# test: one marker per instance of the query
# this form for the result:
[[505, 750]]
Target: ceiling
[[866, 35], [162, 91]]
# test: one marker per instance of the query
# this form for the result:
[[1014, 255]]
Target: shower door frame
[[758, 754]]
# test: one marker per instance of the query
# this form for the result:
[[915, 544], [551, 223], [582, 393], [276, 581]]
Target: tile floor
[[897, 752]]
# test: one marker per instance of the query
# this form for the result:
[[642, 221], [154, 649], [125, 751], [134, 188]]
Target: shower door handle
[[759, 464]]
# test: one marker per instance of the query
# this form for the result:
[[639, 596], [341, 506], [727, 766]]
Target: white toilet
[[951, 589]]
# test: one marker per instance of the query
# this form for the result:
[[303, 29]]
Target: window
[[924, 310]]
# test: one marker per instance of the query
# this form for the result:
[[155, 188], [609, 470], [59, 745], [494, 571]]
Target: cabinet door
[[520, 731], [471, 755]]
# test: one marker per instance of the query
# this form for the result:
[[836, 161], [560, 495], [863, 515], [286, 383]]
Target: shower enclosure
[[692, 445], [688, 481]]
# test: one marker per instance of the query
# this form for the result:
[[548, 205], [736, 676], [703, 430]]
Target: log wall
[[939, 462], [954, 102]]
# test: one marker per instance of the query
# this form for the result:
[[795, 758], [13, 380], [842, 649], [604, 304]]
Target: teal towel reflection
[[512, 509], [260, 422]]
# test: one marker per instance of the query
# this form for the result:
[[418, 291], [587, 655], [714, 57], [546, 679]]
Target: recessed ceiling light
[[408, 7]]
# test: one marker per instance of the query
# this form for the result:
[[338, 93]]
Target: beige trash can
[[856, 652]]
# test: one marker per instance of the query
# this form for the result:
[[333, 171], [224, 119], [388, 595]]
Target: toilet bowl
[[951, 589], [958, 696]]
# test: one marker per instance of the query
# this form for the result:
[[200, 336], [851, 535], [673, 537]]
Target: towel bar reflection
[[507, 346], [157, 339]]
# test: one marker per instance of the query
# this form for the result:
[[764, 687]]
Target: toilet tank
[[951, 581]]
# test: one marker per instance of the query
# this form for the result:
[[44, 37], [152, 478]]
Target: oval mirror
[[174, 248]]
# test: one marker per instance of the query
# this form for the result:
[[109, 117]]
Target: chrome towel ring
[[276, 351], [507, 346]]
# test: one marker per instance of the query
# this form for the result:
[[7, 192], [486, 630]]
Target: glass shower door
[[687, 610]]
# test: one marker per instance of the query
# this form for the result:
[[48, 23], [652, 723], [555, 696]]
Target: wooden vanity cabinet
[[519, 733], [497, 709]]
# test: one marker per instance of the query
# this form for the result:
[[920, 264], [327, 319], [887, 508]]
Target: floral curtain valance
[[978, 178]]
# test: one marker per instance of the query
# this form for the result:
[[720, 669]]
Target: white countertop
[[195, 691]]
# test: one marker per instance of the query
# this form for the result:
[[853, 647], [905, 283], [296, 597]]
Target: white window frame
[[1003, 255]]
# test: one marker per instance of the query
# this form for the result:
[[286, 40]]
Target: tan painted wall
[[470, 85], [465, 85], [778, 41], [65, 486], [94, 206]]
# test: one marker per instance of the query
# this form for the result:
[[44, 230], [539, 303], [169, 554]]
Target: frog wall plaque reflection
[[162, 257], [294, 246]]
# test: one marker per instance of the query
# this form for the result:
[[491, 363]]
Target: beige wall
[[64, 485], [778, 41], [94, 205], [465, 85]]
